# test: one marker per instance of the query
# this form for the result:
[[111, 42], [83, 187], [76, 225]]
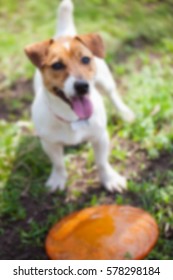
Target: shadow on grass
[[29, 210]]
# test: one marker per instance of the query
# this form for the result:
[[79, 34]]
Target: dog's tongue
[[82, 106]]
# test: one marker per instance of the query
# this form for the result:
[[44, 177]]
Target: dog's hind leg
[[105, 80], [65, 22]]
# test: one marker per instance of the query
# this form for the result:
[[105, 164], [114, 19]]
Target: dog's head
[[68, 68]]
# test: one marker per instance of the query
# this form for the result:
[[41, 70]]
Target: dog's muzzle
[[80, 103]]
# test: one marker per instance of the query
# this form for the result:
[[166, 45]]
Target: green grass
[[140, 52]]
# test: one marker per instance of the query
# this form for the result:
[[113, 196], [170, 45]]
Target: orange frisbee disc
[[107, 232]]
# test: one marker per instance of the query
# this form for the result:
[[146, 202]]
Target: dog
[[68, 108]]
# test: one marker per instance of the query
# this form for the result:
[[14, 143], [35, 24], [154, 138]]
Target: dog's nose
[[81, 87]]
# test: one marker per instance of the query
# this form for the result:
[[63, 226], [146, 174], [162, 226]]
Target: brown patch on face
[[67, 51]]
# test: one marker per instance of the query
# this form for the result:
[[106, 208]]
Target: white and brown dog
[[68, 108]]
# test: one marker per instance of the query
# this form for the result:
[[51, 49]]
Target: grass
[[139, 51]]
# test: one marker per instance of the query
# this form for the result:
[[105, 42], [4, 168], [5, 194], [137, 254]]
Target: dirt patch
[[11, 239], [157, 170], [15, 100]]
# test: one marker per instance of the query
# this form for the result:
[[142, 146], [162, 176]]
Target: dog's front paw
[[114, 181], [55, 182], [128, 115]]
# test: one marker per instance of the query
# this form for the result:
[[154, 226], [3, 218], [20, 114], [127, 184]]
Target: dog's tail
[[65, 22]]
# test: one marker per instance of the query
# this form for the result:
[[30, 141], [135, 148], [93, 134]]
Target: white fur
[[69, 86], [57, 125], [67, 46]]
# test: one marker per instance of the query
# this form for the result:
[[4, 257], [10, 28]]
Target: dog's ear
[[93, 42], [37, 52]]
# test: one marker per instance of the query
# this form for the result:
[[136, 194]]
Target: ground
[[139, 52]]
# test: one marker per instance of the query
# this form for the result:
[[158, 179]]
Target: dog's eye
[[58, 66], [85, 60]]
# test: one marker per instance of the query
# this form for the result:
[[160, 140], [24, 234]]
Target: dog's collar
[[75, 125], [58, 117], [61, 119]]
